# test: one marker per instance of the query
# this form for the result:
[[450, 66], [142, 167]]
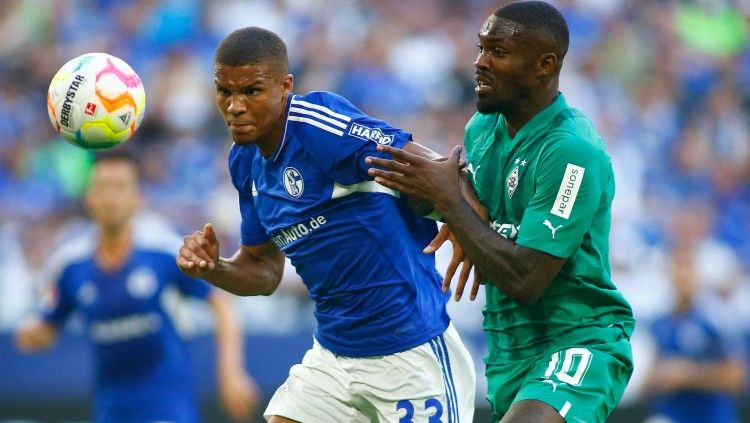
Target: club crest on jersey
[[87, 293], [370, 134], [141, 283], [293, 182], [512, 182]]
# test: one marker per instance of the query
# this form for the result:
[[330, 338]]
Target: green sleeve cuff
[[435, 215]]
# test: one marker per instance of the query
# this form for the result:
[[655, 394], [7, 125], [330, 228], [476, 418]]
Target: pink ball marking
[[130, 81]]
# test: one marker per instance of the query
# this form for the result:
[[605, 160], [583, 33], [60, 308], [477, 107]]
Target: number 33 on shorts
[[430, 404]]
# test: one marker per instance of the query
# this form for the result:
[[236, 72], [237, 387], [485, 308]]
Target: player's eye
[[479, 47], [222, 91], [251, 91]]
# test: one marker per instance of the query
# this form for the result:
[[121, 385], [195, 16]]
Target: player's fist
[[239, 395], [199, 252]]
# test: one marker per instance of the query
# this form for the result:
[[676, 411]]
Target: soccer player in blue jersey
[[700, 369], [384, 349], [120, 280]]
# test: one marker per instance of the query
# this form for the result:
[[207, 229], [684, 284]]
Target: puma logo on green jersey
[[473, 171], [548, 224]]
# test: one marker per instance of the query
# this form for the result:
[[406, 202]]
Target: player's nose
[[236, 105]]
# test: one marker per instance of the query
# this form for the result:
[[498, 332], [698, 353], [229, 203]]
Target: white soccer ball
[[96, 101]]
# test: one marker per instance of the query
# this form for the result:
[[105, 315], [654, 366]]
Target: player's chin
[[487, 105], [242, 137]]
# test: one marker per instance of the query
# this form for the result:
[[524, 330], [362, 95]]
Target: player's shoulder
[[575, 134], [71, 253], [321, 112], [325, 101]]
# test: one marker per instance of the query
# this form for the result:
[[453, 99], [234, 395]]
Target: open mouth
[[482, 86]]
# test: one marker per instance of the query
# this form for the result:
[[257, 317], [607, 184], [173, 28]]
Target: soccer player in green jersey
[[557, 329]]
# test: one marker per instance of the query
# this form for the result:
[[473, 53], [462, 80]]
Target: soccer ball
[[96, 101]]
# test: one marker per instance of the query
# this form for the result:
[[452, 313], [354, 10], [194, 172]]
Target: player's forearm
[[230, 345], [245, 276], [502, 262], [727, 376]]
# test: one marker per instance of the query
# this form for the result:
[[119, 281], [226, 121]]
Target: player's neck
[[683, 304], [114, 246], [516, 119]]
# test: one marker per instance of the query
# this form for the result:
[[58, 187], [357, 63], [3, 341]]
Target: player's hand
[[34, 335], [670, 375], [458, 258], [239, 395], [435, 181], [199, 252]]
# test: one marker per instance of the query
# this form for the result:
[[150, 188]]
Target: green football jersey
[[548, 188]]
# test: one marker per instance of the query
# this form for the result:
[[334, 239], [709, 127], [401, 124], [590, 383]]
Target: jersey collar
[[543, 118], [281, 145]]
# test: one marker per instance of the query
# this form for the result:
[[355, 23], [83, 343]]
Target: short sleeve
[[339, 137], [569, 190]]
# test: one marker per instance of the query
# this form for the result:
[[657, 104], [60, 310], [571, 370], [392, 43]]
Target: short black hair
[[118, 155], [542, 17], [252, 46]]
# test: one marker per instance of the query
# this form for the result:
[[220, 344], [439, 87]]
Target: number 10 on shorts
[[569, 366]]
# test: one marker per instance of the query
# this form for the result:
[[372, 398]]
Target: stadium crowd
[[666, 82]]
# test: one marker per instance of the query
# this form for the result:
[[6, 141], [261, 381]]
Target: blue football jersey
[[692, 337], [356, 244], [141, 363]]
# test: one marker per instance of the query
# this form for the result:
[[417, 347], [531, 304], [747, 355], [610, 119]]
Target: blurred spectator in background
[[124, 282], [700, 366]]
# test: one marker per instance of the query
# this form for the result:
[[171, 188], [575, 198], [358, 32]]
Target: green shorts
[[583, 382]]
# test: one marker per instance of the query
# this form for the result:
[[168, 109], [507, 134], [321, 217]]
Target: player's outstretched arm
[[679, 374], [252, 270], [522, 273], [237, 390], [35, 334]]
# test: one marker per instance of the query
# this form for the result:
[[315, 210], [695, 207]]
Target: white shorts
[[433, 382]]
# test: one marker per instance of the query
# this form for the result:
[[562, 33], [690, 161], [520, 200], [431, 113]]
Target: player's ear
[[547, 64], [287, 84]]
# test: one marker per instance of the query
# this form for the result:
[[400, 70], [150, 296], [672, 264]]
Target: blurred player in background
[[384, 349], [558, 331], [700, 370], [121, 280]]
